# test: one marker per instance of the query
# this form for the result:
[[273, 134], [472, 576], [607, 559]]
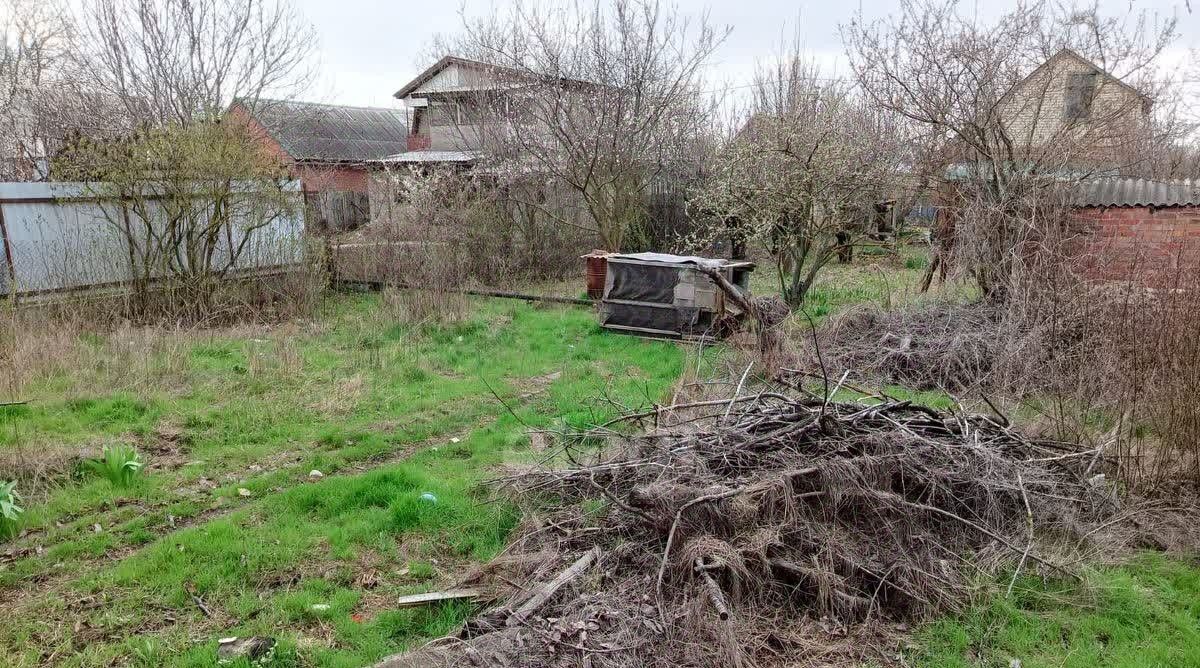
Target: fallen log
[[544, 592]]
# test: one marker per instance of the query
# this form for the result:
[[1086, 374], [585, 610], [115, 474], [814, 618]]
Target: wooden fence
[[338, 210]]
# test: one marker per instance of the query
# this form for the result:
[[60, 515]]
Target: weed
[[119, 464], [10, 512], [147, 651]]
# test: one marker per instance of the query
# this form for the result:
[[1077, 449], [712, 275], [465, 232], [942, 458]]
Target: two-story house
[[1071, 103], [445, 113], [461, 108]]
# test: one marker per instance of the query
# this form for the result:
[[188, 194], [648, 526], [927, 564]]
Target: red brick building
[[328, 146], [1139, 230]]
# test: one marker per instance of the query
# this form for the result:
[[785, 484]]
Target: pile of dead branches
[[935, 346], [720, 535]]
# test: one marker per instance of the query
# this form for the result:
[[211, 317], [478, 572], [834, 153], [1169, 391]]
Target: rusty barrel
[[596, 269]]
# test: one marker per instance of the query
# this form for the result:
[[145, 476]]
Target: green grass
[[230, 424], [884, 278], [1142, 615]]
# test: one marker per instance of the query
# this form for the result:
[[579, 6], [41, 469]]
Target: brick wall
[[315, 177], [1154, 247]]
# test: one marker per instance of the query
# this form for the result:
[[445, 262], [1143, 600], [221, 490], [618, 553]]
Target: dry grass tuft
[[341, 398], [426, 306]]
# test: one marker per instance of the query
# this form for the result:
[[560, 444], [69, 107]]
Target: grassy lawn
[[231, 423], [877, 276], [1145, 614]]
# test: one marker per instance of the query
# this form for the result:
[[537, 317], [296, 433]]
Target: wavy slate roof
[[434, 156], [1137, 192], [309, 131]]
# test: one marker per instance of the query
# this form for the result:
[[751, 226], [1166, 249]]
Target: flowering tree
[[804, 175]]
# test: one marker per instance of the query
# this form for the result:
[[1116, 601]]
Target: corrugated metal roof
[[434, 156], [1137, 192], [333, 133]]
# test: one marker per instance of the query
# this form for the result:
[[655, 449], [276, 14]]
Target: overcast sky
[[369, 49]]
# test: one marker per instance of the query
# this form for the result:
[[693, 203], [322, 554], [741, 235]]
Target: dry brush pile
[[928, 347], [723, 533], [1110, 364]]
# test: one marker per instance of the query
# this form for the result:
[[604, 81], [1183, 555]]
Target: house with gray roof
[[329, 147]]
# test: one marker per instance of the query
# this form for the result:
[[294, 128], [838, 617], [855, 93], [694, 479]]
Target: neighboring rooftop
[[454, 74], [313, 132], [433, 156], [455, 68], [1137, 192]]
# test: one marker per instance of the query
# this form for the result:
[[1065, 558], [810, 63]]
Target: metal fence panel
[[61, 238]]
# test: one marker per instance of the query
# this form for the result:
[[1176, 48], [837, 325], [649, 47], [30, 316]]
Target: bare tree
[[189, 194], [34, 59], [805, 174], [1019, 110], [185, 61], [602, 99]]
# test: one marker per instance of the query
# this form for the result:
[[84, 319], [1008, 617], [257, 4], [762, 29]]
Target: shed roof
[[1126, 192], [667, 258], [309, 131], [433, 156]]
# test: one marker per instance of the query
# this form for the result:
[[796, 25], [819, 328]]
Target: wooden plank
[[437, 596], [646, 330], [631, 302]]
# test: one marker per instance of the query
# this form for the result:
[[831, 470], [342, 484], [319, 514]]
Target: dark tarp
[[642, 282], [675, 320]]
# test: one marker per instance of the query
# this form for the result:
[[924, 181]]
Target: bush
[[1112, 365], [230, 216]]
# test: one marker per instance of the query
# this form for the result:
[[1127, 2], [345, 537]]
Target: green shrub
[[10, 512], [120, 464]]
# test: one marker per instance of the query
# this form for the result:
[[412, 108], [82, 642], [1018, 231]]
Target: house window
[[1081, 89]]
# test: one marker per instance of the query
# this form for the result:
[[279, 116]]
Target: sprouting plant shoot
[[120, 464], [10, 512]]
